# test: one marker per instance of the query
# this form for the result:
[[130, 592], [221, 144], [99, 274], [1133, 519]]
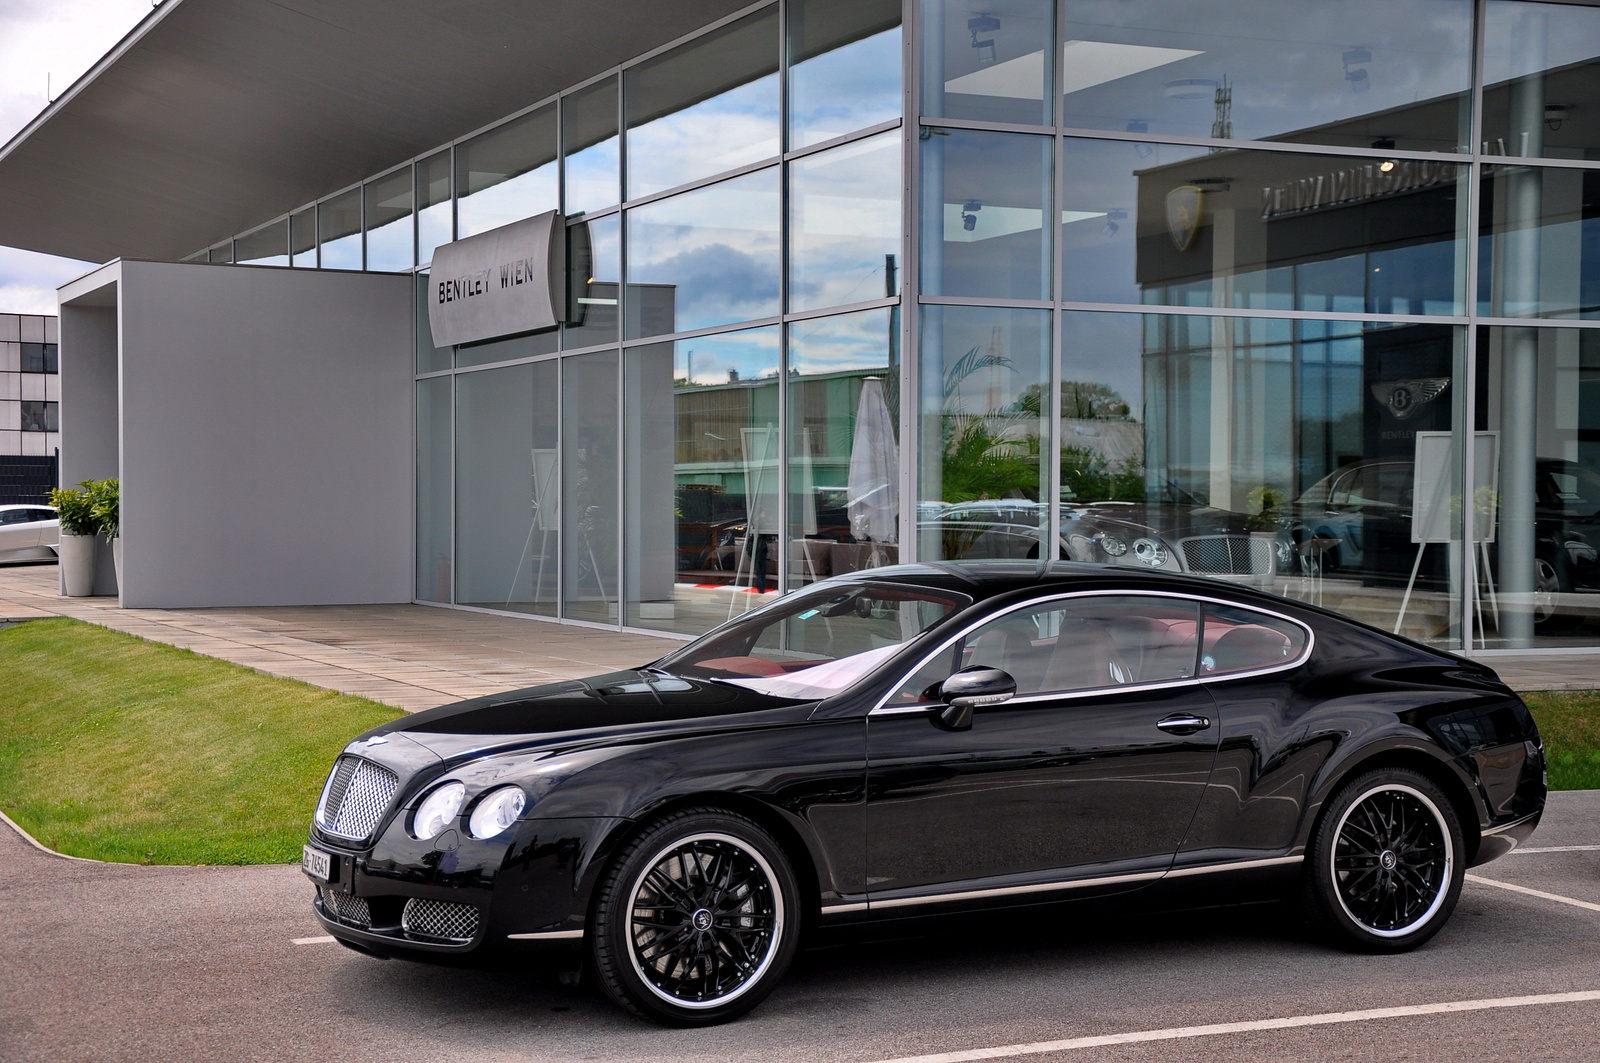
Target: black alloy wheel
[[1386, 864], [696, 920]]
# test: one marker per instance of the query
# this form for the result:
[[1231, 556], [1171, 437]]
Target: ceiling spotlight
[[1555, 114], [1112, 217], [1355, 61], [1387, 165], [969, 214]]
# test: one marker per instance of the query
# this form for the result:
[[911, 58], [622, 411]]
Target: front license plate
[[317, 864]]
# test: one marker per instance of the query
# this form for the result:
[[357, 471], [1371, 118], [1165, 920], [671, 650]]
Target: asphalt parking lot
[[109, 962]]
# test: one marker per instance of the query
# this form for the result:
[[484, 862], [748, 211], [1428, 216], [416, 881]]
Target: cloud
[[28, 280]]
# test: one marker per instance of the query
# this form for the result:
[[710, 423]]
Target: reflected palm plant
[[985, 458], [971, 362]]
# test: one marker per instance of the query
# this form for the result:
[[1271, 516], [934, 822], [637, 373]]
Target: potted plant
[[105, 504], [79, 528]]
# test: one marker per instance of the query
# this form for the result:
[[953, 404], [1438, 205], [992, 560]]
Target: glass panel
[[844, 230], [702, 532], [983, 211], [264, 247], [1539, 562], [507, 511], [1180, 226], [388, 206], [222, 252], [529, 345], [589, 132], [429, 358], [303, 239], [982, 491], [589, 473], [1312, 459], [989, 63], [339, 229], [844, 67], [709, 106], [507, 174], [1539, 245], [433, 204], [818, 642], [1345, 72], [1242, 640], [434, 510], [594, 278], [703, 258], [1541, 93], [844, 444]]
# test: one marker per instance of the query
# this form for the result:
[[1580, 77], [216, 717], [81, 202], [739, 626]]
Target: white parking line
[[324, 940], [1293, 1022], [1541, 894], [1556, 849]]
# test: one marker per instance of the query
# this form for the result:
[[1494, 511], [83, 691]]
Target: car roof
[[988, 579], [27, 505]]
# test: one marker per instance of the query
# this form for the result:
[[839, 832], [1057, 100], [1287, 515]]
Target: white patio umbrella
[[874, 488]]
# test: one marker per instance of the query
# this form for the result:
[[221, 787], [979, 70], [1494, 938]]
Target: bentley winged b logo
[[1184, 205], [1405, 397]]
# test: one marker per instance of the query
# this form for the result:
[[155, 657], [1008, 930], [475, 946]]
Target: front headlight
[[1150, 552], [438, 810], [497, 811], [1113, 546]]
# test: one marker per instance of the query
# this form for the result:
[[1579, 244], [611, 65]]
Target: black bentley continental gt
[[924, 739]]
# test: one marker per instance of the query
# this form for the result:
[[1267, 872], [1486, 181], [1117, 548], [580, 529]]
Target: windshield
[[816, 643]]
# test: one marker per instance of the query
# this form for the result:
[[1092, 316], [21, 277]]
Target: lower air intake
[[347, 909], [439, 920]]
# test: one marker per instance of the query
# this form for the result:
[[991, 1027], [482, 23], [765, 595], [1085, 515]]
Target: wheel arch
[[774, 822], [1443, 774]]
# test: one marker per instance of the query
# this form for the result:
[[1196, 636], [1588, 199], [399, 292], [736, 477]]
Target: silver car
[[28, 532]]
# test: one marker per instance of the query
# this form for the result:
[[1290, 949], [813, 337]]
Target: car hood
[[612, 707]]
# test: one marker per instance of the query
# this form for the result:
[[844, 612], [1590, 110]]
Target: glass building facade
[[1303, 295]]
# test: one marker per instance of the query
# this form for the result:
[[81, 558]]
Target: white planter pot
[[77, 564], [116, 560]]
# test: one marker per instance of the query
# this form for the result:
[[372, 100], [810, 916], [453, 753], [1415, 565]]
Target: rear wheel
[[1385, 868], [696, 919]]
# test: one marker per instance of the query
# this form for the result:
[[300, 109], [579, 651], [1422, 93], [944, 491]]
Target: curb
[[37, 844]]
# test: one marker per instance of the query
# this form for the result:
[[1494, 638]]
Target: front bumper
[[457, 894]]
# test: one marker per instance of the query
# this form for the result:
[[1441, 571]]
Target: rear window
[[1243, 640]]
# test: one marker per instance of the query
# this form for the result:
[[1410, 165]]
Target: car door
[[17, 531], [1090, 774], [49, 527]]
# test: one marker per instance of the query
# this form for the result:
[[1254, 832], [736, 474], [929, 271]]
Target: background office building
[[1303, 294], [30, 407]]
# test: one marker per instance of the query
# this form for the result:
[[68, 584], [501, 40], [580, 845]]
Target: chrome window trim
[[882, 708]]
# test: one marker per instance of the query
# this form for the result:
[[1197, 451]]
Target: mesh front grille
[[1227, 555], [358, 795], [439, 920], [347, 909]]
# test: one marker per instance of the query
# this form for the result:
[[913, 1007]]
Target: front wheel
[[696, 919], [1386, 863]]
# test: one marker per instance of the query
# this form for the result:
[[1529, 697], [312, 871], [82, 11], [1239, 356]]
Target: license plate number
[[317, 864]]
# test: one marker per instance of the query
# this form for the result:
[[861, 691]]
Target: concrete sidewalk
[[415, 657], [411, 656]]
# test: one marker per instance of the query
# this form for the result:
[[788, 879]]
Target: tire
[[1547, 588], [726, 919], [1386, 862]]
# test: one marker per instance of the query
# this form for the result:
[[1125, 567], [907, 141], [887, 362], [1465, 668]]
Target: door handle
[[1184, 724]]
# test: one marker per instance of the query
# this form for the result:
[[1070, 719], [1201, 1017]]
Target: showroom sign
[[499, 283]]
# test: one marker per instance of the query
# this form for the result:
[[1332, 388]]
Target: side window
[[1079, 643], [1242, 640]]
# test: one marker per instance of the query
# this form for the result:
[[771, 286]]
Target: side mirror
[[968, 689]]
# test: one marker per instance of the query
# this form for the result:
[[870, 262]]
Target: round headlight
[[438, 810], [1150, 552], [1113, 546], [497, 811]]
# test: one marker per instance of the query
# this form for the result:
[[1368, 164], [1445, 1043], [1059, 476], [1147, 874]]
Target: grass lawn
[[1569, 722], [120, 749]]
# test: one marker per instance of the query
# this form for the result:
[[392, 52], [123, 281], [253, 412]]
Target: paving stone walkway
[[411, 656], [415, 656]]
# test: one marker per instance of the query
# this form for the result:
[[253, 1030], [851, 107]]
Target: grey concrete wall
[[266, 436], [88, 340]]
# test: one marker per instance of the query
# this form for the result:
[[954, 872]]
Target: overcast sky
[[61, 39]]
